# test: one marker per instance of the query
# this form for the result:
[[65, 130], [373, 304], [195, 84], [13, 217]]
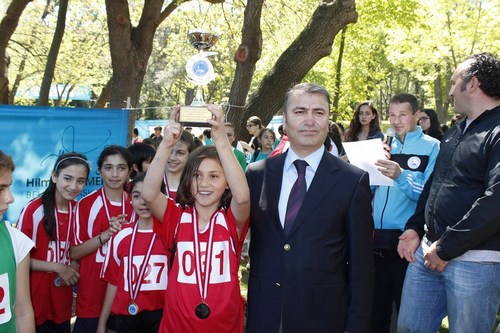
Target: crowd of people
[[158, 247]]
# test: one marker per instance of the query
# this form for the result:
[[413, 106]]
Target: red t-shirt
[[49, 302], [151, 295], [183, 295], [90, 220]]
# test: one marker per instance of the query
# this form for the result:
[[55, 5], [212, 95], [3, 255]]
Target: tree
[[43, 99], [7, 27], [312, 44]]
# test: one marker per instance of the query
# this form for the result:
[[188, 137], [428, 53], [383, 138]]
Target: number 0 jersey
[[183, 293]]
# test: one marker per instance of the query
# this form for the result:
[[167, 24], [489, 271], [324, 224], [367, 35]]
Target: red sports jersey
[[91, 219], [51, 302], [183, 293], [154, 282]]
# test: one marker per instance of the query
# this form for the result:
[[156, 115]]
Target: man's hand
[[432, 260], [389, 168], [408, 244]]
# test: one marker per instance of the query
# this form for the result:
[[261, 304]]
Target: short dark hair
[[486, 67], [310, 88], [406, 98], [6, 163], [140, 152]]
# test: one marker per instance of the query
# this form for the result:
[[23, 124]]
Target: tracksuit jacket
[[393, 205]]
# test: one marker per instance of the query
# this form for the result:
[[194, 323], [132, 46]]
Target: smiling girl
[[98, 216], [206, 230], [47, 220]]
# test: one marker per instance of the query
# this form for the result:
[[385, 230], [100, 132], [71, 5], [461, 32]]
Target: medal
[[133, 309], [58, 282], [202, 311]]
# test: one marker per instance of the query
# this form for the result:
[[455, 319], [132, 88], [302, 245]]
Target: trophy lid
[[202, 40]]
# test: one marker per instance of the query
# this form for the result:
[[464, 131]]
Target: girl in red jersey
[[176, 163], [98, 216], [47, 221], [136, 288], [206, 228]]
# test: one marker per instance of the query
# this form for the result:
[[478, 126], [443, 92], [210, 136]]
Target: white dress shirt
[[290, 175]]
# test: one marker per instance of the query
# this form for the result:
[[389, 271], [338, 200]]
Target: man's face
[[402, 119], [458, 90], [306, 121]]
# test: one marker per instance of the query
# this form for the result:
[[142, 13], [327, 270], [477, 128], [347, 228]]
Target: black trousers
[[390, 271]]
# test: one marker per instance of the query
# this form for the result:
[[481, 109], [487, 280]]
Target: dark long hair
[[49, 195], [355, 125], [184, 195], [435, 129]]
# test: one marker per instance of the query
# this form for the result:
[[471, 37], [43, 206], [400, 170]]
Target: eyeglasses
[[251, 125], [424, 118]]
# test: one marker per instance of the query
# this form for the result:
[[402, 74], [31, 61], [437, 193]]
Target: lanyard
[[134, 292], [167, 189], [105, 203], [203, 288], [58, 257]]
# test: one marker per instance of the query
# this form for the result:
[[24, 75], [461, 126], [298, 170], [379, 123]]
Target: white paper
[[364, 154]]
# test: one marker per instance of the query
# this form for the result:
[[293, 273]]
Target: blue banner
[[36, 136]]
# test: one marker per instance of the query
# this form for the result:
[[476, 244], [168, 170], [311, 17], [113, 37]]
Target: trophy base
[[194, 116]]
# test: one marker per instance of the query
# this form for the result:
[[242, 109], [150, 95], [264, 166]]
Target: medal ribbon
[[197, 254], [58, 257], [167, 189], [105, 203], [134, 292]]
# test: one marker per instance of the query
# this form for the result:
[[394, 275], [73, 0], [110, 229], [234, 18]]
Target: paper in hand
[[364, 154]]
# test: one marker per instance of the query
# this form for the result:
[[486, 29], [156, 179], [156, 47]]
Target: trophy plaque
[[200, 72]]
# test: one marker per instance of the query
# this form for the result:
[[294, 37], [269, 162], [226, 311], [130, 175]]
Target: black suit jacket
[[319, 278]]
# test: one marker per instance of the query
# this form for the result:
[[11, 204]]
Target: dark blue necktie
[[297, 195]]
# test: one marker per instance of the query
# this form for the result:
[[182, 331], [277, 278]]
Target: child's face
[[209, 183], [267, 140], [70, 181], [138, 202], [6, 197], [178, 157], [114, 172]]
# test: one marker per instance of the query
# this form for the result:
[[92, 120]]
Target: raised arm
[[240, 203], [151, 193]]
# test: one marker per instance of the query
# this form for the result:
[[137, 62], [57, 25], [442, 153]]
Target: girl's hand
[[173, 130], [68, 274], [217, 122]]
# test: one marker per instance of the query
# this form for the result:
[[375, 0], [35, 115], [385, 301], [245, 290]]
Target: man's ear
[[473, 84]]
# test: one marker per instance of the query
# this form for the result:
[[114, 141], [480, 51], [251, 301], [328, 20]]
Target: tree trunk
[[131, 48], [7, 28], [104, 96], [246, 57], [50, 67], [313, 43], [336, 96]]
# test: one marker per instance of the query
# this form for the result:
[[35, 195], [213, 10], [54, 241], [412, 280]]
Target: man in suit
[[314, 274]]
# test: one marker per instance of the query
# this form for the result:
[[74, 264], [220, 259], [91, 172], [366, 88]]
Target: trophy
[[200, 72]]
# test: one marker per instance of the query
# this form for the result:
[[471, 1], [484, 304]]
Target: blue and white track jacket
[[393, 205]]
